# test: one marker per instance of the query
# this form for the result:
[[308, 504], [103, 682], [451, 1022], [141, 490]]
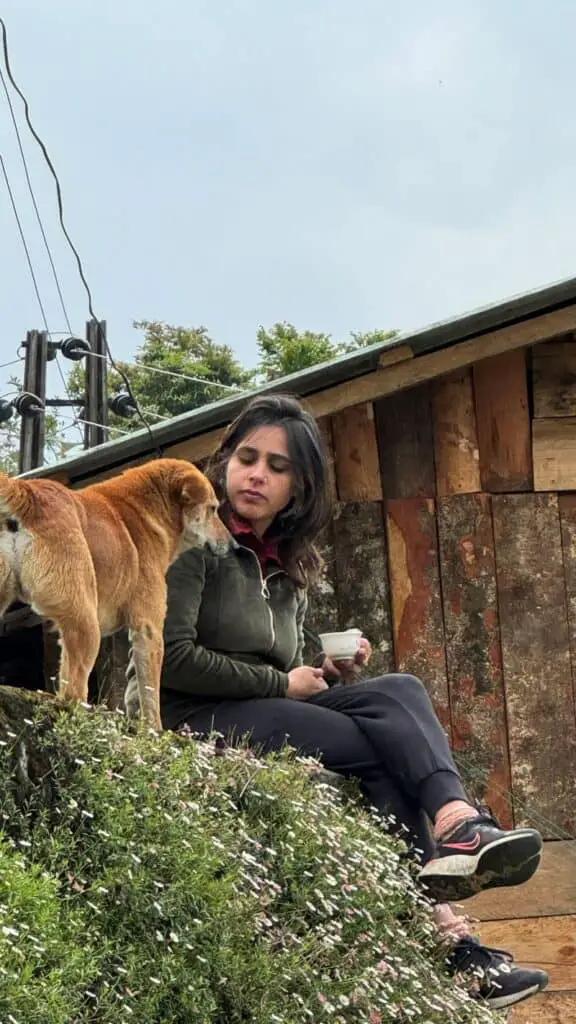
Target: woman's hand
[[303, 682], [348, 669]]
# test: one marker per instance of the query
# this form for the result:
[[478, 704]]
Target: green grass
[[162, 880]]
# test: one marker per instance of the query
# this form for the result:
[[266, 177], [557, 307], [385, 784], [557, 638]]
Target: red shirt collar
[[265, 548]]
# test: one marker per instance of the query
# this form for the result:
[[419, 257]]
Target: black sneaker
[[480, 855], [498, 982]]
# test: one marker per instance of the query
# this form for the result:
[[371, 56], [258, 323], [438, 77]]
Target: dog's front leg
[[147, 646]]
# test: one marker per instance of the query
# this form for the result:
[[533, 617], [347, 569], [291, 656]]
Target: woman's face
[[260, 477]]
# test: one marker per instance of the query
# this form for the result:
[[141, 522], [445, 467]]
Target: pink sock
[[451, 925], [452, 815]]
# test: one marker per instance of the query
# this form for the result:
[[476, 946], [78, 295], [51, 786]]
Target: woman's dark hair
[[301, 522]]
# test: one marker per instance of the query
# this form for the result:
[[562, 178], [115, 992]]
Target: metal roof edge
[[325, 375]]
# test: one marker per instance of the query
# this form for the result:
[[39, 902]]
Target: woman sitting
[[233, 664]]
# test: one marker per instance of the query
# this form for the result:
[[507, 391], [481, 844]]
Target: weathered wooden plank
[[554, 378], [551, 892], [325, 427], [545, 1009], [455, 435], [536, 656], [405, 443], [473, 654], [415, 592], [548, 942], [322, 615], [501, 397], [567, 509], [356, 454], [554, 453], [362, 577]]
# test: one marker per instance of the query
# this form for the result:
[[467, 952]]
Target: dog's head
[[194, 497]]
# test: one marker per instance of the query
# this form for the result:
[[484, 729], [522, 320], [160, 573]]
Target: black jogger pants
[[384, 732]]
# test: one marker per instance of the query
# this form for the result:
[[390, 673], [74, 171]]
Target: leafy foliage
[[285, 350], [177, 369], [160, 879]]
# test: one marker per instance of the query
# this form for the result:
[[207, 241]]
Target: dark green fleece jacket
[[231, 632]]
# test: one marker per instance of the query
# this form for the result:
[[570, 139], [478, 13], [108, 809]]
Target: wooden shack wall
[[453, 546], [463, 573]]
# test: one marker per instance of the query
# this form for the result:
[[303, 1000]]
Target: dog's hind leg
[[61, 580]]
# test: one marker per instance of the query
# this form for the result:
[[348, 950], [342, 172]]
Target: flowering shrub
[[162, 880]]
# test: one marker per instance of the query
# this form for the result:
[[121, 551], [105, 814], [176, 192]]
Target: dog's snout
[[219, 539]]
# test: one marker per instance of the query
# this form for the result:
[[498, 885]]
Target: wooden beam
[[548, 942], [554, 454], [356, 454], [411, 372], [404, 374], [455, 435], [536, 658], [416, 603], [551, 892], [405, 444], [473, 654], [503, 420], [554, 378], [395, 355]]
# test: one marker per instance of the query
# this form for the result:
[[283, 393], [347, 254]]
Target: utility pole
[[96, 386], [31, 402]]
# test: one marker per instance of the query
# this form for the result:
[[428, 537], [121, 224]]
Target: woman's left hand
[[348, 669]]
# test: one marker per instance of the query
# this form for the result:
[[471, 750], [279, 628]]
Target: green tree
[[181, 368], [284, 350]]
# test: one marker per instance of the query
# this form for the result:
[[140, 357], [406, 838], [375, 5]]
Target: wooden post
[[96, 387], [32, 429]]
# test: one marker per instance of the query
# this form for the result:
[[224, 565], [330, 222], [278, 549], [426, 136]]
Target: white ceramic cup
[[341, 646]]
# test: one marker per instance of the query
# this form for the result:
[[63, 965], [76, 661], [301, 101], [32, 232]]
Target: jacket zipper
[[264, 590]]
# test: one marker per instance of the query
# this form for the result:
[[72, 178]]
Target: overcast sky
[[340, 165]]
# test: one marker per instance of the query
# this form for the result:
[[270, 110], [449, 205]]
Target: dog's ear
[[192, 488]]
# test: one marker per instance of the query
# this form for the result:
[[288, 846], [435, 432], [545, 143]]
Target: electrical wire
[[41, 226], [91, 423], [79, 264], [172, 373], [13, 362], [33, 198], [24, 243]]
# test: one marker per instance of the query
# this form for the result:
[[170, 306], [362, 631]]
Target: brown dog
[[94, 561]]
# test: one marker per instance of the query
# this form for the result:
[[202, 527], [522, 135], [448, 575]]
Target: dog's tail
[[15, 498]]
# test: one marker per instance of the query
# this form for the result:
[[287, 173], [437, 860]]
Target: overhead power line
[[73, 248]]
